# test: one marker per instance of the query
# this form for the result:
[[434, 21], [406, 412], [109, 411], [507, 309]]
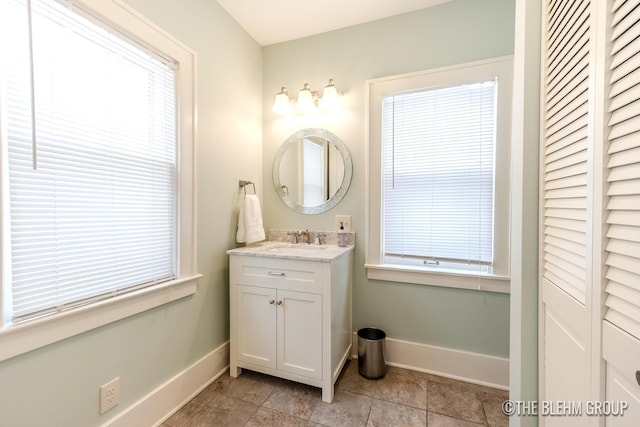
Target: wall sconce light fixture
[[330, 99], [281, 104], [307, 100]]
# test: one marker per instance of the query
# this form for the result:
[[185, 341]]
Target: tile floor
[[401, 398]]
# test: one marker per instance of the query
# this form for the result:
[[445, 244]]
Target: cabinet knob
[[638, 377], [276, 273], [271, 301], [279, 302]]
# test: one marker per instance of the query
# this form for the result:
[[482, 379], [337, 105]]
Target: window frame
[[19, 338], [377, 89]]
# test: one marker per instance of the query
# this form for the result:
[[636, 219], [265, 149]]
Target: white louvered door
[[565, 156], [566, 174], [623, 208], [590, 262], [621, 329]]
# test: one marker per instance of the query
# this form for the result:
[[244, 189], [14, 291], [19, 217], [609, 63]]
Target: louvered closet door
[[565, 175], [623, 208], [565, 147], [621, 332]]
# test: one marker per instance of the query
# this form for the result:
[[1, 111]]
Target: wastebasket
[[371, 352]]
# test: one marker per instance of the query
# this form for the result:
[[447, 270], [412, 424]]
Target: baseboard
[[466, 366], [164, 401]]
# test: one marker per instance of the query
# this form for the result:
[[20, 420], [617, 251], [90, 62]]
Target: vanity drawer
[[278, 273]]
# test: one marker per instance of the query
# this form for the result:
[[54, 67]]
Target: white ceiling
[[274, 21]]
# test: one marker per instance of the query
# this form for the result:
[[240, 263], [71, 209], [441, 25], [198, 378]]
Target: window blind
[[623, 208], [438, 175], [314, 176], [565, 140], [97, 216]]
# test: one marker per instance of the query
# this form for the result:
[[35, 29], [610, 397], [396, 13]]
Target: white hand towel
[[241, 234], [250, 228]]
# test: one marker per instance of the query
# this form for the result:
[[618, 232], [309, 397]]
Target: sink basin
[[302, 248], [306, 246]]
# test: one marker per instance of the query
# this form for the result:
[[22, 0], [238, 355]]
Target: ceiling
[[275, 21]]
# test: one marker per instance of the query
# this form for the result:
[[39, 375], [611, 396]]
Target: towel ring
[[243, 185]]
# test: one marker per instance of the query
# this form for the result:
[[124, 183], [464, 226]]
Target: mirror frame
[[346, 181]]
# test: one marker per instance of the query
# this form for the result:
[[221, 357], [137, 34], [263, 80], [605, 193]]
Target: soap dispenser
[[342, 236]]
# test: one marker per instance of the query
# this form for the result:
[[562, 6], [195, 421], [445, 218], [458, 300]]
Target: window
[[438, 157], [439, 187], [314, 159], [97, 143]]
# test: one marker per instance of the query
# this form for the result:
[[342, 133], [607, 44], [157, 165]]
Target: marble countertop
[[303, 251]]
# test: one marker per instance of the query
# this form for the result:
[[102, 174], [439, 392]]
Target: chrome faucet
[[300, 236], [304, 236], [294, 234]]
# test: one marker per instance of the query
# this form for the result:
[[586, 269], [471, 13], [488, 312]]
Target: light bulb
[[305, 99], [281, 105], [330, 99]]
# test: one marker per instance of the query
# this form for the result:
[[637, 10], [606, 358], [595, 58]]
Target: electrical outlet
[[109, 395], [345, 220]]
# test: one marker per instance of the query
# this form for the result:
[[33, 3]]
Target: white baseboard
[[466, 366], [164, 401]]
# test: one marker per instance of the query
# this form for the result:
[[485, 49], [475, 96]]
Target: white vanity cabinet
[[291, 313]]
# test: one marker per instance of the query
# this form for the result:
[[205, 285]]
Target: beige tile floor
[[401, 398]]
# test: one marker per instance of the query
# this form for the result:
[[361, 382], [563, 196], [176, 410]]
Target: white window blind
[[438, 176], [623, 247], [97, 216], [565, 155], [314, 176]]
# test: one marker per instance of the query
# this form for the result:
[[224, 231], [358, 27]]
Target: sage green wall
[[455, 32], [58, 385]]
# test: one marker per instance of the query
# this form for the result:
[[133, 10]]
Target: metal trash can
[[371, 352]]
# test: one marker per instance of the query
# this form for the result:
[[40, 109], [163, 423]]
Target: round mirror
[[312, 171]]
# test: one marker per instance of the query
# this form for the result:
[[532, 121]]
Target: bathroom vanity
[[290, 307]]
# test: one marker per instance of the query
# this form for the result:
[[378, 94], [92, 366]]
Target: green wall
[[455, 32], [58, 385]]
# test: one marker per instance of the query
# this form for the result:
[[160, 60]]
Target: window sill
[[30, 335], [421, 276]]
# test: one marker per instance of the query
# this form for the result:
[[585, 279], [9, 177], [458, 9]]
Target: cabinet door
[[300, 333], [256, 325]]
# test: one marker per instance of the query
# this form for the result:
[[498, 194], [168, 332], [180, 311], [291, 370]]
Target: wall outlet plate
[[109, 395], [346, 221]]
